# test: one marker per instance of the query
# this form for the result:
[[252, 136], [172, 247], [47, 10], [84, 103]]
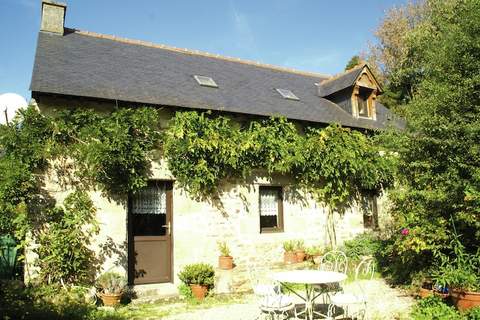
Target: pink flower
[[405, 231]]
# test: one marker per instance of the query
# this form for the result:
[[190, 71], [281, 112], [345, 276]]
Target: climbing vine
[[112, 152], [334, 163]]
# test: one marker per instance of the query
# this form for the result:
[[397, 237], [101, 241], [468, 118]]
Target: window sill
[[271, 231]]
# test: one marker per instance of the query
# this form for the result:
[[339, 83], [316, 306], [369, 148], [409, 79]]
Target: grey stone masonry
[[53, 16]]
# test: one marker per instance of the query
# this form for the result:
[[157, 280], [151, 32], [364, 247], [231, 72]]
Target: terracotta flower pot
[[110, 299], [225, 262], [464, 300], [300, 255], [199, 291], [289, 257], [425, 293]]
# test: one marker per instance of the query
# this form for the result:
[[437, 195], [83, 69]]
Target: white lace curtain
[[150, 200], [269, 202]]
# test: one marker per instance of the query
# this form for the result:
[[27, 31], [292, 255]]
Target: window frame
[[280, 221], [367, 97]]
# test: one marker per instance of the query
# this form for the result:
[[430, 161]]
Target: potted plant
[[200, 278], [461, 273], [428, 288], [289, 256], [225, 260], [111, 286], [313, 252], [300, 250]]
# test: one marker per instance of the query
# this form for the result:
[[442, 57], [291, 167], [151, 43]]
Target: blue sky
[[312, 35]]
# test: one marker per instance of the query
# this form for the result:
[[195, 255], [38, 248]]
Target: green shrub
[[472, 314], [365, 244], [48, 302], [433, 308], [198, 273], [185, 291]]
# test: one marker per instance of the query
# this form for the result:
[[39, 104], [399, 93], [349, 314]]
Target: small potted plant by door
[[300, 250], [111, 286], [289, 256], [200, 278], [225, 260]]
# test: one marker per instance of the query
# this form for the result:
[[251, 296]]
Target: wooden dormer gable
[[355, 91]]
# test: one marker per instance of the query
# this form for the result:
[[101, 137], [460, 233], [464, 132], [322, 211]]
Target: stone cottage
[[162, 228]]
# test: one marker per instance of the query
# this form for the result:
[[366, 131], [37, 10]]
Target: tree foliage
[[353, 62], [439, 156], [391, 57], [334, 163]]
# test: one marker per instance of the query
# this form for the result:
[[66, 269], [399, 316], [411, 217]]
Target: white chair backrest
[[334, 260], [365, 269], [262, 284]]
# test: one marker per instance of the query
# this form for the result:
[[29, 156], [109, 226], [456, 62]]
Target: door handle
[[167, 226]]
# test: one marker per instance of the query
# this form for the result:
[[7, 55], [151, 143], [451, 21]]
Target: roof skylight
[[287, 94], [205, 81]]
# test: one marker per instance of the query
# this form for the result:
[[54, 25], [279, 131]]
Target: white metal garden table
[[309, 278]]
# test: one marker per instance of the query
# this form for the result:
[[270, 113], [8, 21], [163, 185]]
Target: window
[[271, 209], [287, 94], [363, 102], [205, 81], [368, 205], [149, 208]]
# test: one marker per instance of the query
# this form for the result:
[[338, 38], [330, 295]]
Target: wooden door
[[150, 234]]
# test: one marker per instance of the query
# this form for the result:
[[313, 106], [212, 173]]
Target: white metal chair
[[357, 298], [273, 303], [334, 260]]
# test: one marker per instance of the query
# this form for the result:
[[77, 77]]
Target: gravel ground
[[383, 303]]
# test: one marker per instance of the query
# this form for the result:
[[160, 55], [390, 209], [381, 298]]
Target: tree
[[354, 61], [439, 150], [391, 57]]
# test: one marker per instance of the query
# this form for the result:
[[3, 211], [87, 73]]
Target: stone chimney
[[53, 16]]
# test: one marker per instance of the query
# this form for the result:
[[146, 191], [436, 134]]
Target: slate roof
[[89, 65], [340, 82]]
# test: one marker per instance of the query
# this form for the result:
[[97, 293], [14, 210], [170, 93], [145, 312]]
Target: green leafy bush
[[64, 253], [364, 244], [198, 273], [433, 308], [185, 291], [48, 302], [472, 314], [460, 271]]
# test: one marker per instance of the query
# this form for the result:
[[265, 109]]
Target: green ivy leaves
[[334, 163]]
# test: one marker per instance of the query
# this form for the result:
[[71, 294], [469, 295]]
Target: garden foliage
[[439, 154]]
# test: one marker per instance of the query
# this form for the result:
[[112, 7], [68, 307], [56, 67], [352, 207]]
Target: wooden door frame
[[130, 237]]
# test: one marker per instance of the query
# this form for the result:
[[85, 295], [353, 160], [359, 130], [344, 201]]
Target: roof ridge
[[199, 53], [338, 75]]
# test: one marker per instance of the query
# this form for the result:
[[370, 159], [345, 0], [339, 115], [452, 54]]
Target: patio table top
[[309, 276]]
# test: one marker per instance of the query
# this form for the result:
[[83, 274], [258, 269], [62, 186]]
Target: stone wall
[[197, 226]]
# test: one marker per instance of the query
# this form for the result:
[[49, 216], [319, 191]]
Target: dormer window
[[364, 102]]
